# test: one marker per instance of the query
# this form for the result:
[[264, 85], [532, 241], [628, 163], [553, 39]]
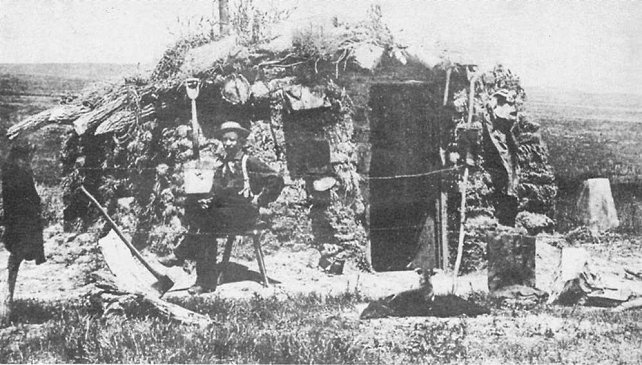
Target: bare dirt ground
[[514, 332], [70, 258]]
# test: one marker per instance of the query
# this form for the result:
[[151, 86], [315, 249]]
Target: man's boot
[[206, 272]]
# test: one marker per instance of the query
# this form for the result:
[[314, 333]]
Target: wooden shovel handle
[[196, 129], [120, 234]]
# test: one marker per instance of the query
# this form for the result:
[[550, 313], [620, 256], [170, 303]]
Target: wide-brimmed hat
[[231, 126]]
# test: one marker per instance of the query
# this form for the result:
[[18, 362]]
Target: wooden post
[[442, 201], [224, 17], [472, 77], [462, 232]]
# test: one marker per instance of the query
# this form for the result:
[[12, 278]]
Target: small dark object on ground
[[414, 304]]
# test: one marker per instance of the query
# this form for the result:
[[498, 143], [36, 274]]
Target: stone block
[[511, 260]]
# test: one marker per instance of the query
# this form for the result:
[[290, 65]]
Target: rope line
[[422, 174], [222, 235]]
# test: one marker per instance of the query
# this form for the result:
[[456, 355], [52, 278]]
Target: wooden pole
[[214, 16], [442, 201], [462, 233], [464, 185], [224, 17]]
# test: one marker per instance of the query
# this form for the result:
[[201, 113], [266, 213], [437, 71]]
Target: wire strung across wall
[[406, 176], [422, 174]]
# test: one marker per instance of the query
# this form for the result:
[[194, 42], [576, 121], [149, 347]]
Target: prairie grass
[[319, 329]]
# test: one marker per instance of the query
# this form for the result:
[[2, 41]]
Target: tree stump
[[577, 282], [511, 260], [595, 207]]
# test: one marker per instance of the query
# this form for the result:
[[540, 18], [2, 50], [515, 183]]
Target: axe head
[[163, 284]]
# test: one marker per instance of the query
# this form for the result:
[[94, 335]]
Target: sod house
[[372, 137]]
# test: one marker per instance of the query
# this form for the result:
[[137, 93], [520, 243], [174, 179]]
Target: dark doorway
[[404, 138]]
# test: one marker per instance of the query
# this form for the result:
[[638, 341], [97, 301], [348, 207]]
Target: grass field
[[313, 329], [590, 136]]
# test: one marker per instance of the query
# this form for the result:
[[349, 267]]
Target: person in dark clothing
[[501, 149], [240, 186], [22, 218]]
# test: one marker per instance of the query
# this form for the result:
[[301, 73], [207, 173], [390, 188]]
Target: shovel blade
[[130, 274]]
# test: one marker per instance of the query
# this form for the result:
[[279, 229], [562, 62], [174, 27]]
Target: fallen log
[[64, 114], [111, 299]]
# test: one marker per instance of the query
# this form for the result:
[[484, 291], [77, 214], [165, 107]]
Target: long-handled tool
[[472, 77], [198, 176], [442, 200], [192, 87], [164, 282]]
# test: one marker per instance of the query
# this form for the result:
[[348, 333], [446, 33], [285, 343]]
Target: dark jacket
[[226, 208], [264, 181], [22, 212]]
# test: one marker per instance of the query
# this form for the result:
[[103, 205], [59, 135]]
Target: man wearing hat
[[240, 186], [500, 146]]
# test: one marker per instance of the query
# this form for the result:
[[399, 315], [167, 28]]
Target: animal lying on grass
[[422, 302]]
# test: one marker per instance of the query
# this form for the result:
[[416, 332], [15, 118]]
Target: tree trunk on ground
[[224, 17], [595, 206], [112, 299]]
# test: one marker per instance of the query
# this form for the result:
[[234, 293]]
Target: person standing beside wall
[[22, 220]]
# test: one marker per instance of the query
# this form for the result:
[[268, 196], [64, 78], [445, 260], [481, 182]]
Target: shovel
[[198, 178], [192, 87], [125, 267]]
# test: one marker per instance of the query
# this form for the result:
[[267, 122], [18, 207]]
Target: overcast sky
[[586, 45]]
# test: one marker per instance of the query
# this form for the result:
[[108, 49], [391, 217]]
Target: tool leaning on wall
[[473, 75]]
